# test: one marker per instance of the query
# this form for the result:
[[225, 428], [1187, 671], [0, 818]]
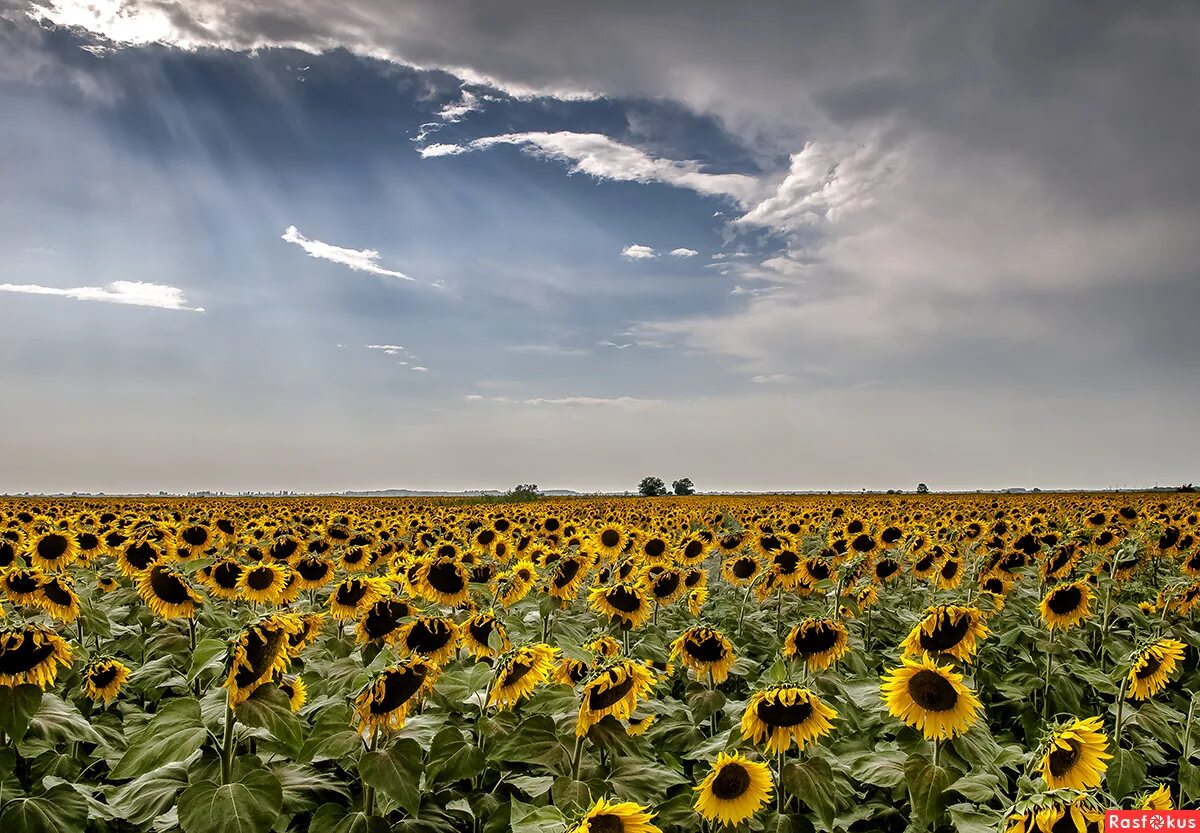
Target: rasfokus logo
[[1152, 820]]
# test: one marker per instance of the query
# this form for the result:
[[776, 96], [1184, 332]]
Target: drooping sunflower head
[[21, 584], [613, 690], [103, 679], [740, 570], [734, 789], [818, 642], [1158, 799], [383, 622], [432, 637], [442, 580], [168, 593], [705, 651], [480, 631], [264, 582], [52, 548], [639, 724], [31, 654], [664, 585], [519, 673], [1075, 755], [1152, 667], [384, 702], [604, 646], [786, 713], [625, 817], [931, 698], [57, 597], [947, 629], [258, 653], [351, 596], [567, 575], [1079, 815], [625, 602], [221, 577], [313, 572], [1067, 605], [294, 689]]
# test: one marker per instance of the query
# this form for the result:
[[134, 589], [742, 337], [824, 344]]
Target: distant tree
[[652, 486], [683, 486], [922, 489], [524, 491]]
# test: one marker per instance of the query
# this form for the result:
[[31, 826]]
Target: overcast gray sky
[[331, 245]]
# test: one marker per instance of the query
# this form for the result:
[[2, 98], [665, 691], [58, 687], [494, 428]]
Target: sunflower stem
[[937, 751], [1120, 709], [1049, 668], [227, 743], [1187, 749], [367, 792], [576, 758], [780, 798]]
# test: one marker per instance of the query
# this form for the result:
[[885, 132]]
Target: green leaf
[[926, 782], [532, 786], [208, 654], [18, 705], [525, 818], [880, 769], [248, 805], [980, 787], [58, 721], [144, 799], [395, 772], [1126, 773], [57, 809], [570, 795], [967, 819], [533, 740], [173, 734], [452, 758], [268, 708], [305, 789], [1189, 780], [809, 781], [334, 818], [641, 780]]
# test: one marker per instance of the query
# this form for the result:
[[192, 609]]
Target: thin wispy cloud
[[571, 401], [130, 293], [636, 251], [388, 349], [360, 260]]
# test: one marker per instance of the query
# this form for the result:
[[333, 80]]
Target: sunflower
[[313, 572], [57, 597], [53, 549], [1152, 667], [353, 595], [1067, 605], [311, 625], [567, 576], [384, 703], [516, 584], [604, 646], [734, 789], [614, 691], [1075, 755], [519, 673], [818, 642], [571, 672], [949, 575], [1159, 799], [625, 817], [167, 593], [610, 539], [947, 629], [103, 679], [258, 653], [107, 584], [626, 602], [21, 585], [665, 585], [638, 724], [705, 651], [382, 622], [740, 570], [442, 580], [139, 555], [433, 637], [696, 600], [1078, 816], [931, 698], [221, 577], [31, 654], [294, 689], [263, 583], [478, 632], [785, 713]]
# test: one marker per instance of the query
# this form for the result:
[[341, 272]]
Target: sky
[[437, 244]]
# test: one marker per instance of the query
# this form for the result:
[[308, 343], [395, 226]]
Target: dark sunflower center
[[950, 569], [708, 648], [655, 547], [516, 672], [260, 578], [285, 549], [428, 636], [1151, 666], [444, 577], [481, 630], [195, 536], [924, 564], [947, 633], [887, 568], [863, 543], [623, 599], [102, 676], [932, 692], [21, 582], [610, 538], [778, 715], [693, 549], [383, 617], [52, 546], [1065, 601], [568, 568], [818, 569], [1063, 760], [140, 556], [731, 782], [994, 585], [312, 569], [168, 587], [787, 562], [350, 593], [666, 584], [606, 824], [600, 700], [57, 594], [815, 639], [226, 574], [87, 541], [262, 649], [744, 567], [398, 688], [18, 654]]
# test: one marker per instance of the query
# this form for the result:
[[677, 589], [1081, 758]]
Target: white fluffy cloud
[[360, 260], [132, 293], [636, 251], [682, 252]]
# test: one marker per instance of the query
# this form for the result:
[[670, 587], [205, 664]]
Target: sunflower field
[[914, 663]]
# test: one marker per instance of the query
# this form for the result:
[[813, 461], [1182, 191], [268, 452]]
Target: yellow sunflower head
[[263, 583], [1152, 667], [168, 593], [931, 698], [734, 789], [705, 651], [613, 690], [625, 817], [1075, 755], [624, 602], [31, 654], [947, 629], [258, 653], [1067, 605], [519, 673], [786, 713], [818, 642], [103, 679], [432, 637], [384, 703], [57, 597]]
